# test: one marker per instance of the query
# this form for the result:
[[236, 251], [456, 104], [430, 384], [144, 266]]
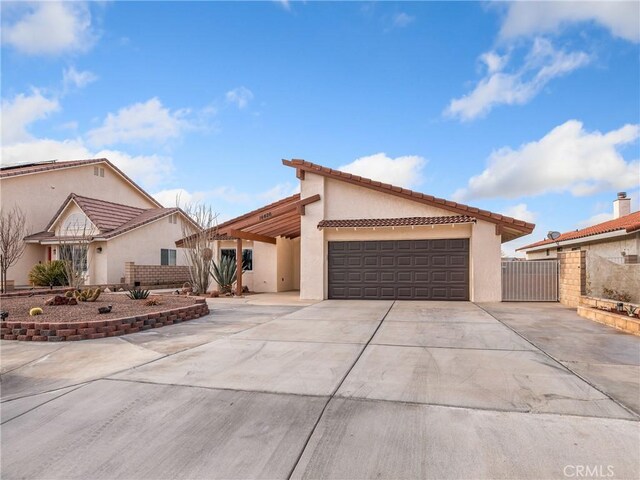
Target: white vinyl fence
[[530, 281]]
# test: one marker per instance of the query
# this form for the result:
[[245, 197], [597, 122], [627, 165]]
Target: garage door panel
[[371, 261], [387, 277], [405, 276], [402, 269], [439, 276], [458, 277], [404, 261], [439, 260], [387, 261], [422, 276]]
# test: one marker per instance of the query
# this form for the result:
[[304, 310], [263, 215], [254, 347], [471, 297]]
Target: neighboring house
[[89, 206], [345, 237], [614, 239]]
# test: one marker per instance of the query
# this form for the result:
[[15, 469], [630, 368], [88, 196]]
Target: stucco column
[[486, 266], [313, 255]]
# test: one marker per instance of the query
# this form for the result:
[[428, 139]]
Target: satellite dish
[[553, 235]]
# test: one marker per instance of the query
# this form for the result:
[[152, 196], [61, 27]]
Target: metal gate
[[530, 281]]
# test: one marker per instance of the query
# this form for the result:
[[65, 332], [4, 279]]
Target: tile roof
[[629, 223], [27, 168], [396, 222], [106, 215], [39, 167], [517, 227], [144, 218], [111, 219]]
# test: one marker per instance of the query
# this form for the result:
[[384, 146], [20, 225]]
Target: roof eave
[[573, 241], [524, 228]]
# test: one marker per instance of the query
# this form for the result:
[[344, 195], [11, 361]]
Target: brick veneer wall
[[59, 332], [572, 281], [155, 274]]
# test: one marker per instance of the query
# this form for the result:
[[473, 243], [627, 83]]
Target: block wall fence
[[155, 274]]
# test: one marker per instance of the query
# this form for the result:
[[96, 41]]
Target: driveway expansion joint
[[333, 394]]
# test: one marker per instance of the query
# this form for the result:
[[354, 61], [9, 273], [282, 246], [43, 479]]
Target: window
[[77, 225], [167, 256], [547, 252], [173, 219], [98, 171], [77, 255], [247, 257]]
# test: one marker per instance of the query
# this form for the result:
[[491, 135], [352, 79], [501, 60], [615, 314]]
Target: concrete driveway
[[339, 389]]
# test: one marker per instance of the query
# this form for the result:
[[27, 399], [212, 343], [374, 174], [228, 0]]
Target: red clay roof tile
[[395, 222], [629, 223]]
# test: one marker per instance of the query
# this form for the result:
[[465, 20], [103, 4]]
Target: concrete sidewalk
[[339, 389]]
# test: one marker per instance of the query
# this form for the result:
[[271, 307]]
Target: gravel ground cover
[[122, 306]]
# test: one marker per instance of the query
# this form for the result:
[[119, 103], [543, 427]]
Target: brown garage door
[[400, 269]]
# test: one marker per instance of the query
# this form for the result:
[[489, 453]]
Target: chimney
[[621, 205]]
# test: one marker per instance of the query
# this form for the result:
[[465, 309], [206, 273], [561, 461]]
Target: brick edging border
[[60, 332]]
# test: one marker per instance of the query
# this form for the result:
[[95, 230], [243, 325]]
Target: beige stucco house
[[348, 237], [617, 239], [92, 205]]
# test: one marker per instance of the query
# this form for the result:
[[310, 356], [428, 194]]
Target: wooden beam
[[258, 219], [299, 174], [273, 228], [499, 229], [301, 210], [252, 236], [239, 267]]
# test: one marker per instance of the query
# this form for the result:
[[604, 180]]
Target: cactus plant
[[87, 295], [35, 311], [631, 310]]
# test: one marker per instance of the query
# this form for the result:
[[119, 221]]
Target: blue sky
[[528, 109]]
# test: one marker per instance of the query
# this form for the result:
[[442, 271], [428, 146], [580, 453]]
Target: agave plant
[[225, 273], [138, 294]]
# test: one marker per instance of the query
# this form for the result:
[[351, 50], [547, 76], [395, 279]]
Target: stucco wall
[[40, 195], [285, 274], [264, 276], [340, 200], [141, 246], [602, 273]]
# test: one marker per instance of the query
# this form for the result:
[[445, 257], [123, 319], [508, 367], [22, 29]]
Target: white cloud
[[286, 4], [568, 158], [533, 18], [542, 64], [74, 78], [493, 61], [148, 121], [240, 96], [401, 171], [48, 28], [178, 196], [595, 219], [149, 170], [21, 111], [401, 20], [279, 191], [520, 212]]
